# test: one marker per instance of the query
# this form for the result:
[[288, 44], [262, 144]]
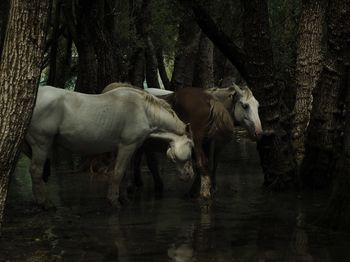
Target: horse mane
[[150, 99], [219, 118], [115, 85], [247, 93]]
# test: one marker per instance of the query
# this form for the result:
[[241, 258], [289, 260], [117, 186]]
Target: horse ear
[[238, 89]]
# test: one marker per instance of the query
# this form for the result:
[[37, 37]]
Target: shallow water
[[243, 223]]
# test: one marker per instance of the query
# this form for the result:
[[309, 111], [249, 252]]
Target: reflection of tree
[[300, 241]]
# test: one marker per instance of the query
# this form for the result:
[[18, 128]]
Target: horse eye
[[245, 106]]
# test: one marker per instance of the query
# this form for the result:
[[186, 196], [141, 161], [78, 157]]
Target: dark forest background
[[293, 54]]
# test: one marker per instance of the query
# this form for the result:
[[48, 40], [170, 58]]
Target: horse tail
[[219, 118], [27, 150]]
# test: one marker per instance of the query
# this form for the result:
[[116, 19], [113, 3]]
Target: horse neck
[[164, 121], [163, 135]]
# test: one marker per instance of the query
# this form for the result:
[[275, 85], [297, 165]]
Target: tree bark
[[204, 68], [275, 151], [151, 65], [4, 10], [19, 77], [185, 54], [337, 214], [54, 43], [92, 30], [63, 62], [220, 39], [308, 68], [323, 139]]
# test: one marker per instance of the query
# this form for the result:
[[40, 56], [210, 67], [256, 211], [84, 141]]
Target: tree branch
[[220, 39]]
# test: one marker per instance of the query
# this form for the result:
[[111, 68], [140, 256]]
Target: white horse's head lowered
[[180, 152], [246, 111]]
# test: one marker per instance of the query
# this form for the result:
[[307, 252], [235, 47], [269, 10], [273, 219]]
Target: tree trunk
[[204, 70], [151, 65], [92, 30], [162, 70], [275, 150], [19, 77], [308, 68], [63, 61], [4, 10], [337, 214], [185, 54], [323, 139], [54, 43]]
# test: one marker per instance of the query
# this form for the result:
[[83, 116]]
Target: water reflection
[[244, 222]]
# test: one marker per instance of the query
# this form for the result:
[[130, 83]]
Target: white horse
[[242, 105], [90, 124]]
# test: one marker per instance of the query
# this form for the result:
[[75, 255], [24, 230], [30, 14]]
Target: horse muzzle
[[187, 173]]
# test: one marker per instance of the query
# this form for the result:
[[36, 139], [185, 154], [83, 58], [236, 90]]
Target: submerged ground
[[245, 222]]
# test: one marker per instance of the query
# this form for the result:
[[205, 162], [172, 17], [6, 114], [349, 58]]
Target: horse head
[[180, 152], [246, 111]]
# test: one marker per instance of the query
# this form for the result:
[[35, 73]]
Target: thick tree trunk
[[4, 10], [204, 70], [323, 135], [63, 62], [275, 151], [308, 68], [19, 76], [87, 65], [138, 64], [93, 36], [185, 54], [224, 72], [337, 214], [137, 68]]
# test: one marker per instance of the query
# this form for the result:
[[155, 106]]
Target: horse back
[[205, 113]]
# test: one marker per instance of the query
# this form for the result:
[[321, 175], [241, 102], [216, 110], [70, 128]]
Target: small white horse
[[242, 105], [90, 124]]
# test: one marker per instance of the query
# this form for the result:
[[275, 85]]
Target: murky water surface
[[244, 223]]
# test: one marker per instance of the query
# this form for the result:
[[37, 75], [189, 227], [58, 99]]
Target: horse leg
[[152, 164], [125, 153], [202, 167], [137, 167], [39, 157], [215, 156]]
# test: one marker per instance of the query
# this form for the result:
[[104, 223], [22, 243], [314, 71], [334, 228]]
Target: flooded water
[[244, 222]]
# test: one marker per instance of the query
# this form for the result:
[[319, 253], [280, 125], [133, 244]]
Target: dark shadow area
[[244, 223]]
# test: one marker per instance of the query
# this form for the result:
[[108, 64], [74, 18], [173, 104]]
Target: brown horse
[[209, 121]]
